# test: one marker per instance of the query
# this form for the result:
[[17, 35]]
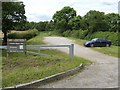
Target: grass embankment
[[21, 68], [112, 51], [38, 40]]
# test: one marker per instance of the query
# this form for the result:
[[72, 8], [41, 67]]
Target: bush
[[67, 33], [74, 33], [25, 35], [83, 34]]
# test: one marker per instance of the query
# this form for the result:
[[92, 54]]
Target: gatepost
[[71, 51]]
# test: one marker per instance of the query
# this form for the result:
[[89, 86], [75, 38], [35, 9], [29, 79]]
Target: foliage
[[12, 16], [81, 34], [96, 21], [26, 35], [30, 25], [41, 26], [84, 34], [75, 23], [113, 20], [61, 19]]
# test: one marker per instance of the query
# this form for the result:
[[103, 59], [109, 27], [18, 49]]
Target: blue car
[[98, 42]]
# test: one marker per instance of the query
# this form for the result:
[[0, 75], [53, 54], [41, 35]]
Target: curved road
[[103, 73]]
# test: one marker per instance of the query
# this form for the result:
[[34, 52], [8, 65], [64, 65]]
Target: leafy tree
[[96, 21], [12, 16], [75, 23], [30, 25], [62, 17], [50, 26], [41, 26], [114, 21]]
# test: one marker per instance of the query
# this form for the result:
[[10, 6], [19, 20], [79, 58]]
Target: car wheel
[[92, 45], [107, 45]]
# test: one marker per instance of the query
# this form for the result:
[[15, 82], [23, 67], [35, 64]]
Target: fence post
[[71, 51]]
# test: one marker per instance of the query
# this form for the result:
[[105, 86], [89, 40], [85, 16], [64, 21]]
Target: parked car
[[98, 42]]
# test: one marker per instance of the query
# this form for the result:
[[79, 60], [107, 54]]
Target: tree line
[[66, 19]]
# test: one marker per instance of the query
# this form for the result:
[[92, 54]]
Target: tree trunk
[[5, 38]]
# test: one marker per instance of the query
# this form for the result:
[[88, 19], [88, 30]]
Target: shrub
[[25, 35], [83, 34], [74, 33], [67, 33]]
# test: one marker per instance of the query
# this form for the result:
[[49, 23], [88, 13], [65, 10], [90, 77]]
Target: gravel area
[[103, 73]]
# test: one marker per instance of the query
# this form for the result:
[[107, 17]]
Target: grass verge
[[112, 51], [21, 68], [38, 40]]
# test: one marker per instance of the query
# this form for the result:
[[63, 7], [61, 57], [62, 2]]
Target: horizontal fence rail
[[39, 47]]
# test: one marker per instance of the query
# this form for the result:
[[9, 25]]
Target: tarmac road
[[103, 73]]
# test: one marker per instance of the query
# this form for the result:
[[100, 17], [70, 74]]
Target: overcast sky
[[43, 10]]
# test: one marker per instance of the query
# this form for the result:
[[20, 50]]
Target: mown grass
[[21, 68], [112, 51]]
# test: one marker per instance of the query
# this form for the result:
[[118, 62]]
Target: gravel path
[[103, 73]]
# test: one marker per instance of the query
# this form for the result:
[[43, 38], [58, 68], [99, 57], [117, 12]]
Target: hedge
[[84, 34], [25, 35]]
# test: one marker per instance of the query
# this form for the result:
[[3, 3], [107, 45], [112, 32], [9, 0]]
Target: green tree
[[96, 21], [30, 25], [114, 21], [75, 23], [41, 26], [50, 26], [12, 16], [62, 17]]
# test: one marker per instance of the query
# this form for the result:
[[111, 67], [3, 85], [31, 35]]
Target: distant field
[[1, 34], [18, 31]]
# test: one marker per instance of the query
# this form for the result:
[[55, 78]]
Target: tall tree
[[75, 23], [114, 21], [13, 14], [96, 21], [62, 17]]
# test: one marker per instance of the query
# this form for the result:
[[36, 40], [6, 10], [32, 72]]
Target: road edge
[[47, 79]]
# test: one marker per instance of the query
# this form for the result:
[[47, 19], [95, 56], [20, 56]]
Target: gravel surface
[[103, 73]]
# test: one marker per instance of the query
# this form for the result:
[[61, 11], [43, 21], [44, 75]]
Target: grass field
[[1, 34], [20, 68], [112, 51]]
